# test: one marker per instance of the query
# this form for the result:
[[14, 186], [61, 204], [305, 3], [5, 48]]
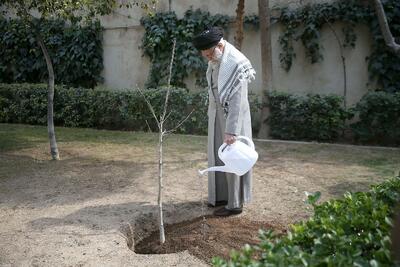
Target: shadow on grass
[[78, 178]]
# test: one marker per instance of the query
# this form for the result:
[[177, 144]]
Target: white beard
[[217, 56]]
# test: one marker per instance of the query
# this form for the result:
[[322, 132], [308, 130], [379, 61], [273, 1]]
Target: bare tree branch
[[168, 115], [169, 81], [148, 125], [384, 25], [180, 123], [150, 107]]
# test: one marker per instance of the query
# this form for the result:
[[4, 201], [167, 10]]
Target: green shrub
[[3, 113], [379, 119], [106, 109], [24, 103], [353, 231], [311, 117], [76, 52], [124, 110]]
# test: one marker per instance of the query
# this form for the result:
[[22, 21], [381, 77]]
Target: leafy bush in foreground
[[352, 231]]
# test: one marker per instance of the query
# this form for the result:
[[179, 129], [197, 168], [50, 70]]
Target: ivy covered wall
[[326, 76], [308, 44]]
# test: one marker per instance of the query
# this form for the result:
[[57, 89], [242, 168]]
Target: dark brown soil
[[215, 237]]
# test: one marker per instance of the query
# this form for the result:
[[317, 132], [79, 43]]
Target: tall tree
[[266, 63], [239, 24], [395, 47], [66, 9], [384, 25]]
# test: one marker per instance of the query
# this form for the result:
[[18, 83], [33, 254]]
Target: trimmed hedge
[[323, 118], [311, 117], [353, 231], [379, 119], [292, 117], [123, 110]]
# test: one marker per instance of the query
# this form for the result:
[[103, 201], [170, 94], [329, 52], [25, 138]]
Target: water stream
[[204, 225]]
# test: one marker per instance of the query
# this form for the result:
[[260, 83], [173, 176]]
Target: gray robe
[[226, 186]]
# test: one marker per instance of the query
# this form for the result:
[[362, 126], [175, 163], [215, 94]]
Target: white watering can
[[238, 157]]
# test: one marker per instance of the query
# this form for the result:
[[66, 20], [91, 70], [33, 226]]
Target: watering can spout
[[238, 157], [215, 169]]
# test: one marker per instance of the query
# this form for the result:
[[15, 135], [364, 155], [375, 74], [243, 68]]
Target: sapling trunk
[[160, 185], [162, 134]]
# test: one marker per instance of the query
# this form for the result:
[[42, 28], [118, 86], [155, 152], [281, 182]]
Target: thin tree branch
[[168, 115], [169, 81], [179, 124], [150, 107], [384, 25], [148, 125]]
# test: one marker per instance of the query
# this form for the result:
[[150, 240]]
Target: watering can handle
[[221, 148], [249, 142]]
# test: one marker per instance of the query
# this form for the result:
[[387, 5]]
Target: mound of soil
[[205, 238]]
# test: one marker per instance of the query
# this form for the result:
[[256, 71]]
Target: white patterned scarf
[[234, 69]]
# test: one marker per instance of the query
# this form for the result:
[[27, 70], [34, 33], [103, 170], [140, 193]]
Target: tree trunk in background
[[383, 23], [50, 98], [343, 58], [239, 24], [266, 64]]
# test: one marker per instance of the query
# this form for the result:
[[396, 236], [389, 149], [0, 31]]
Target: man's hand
[[229, 139]]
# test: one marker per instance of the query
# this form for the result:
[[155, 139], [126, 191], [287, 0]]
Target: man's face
[[211, 53]]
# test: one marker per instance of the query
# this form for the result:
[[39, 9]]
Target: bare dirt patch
[[206, 239], [75, 212]]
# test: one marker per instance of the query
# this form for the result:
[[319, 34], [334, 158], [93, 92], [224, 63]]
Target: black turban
[[208, 38]]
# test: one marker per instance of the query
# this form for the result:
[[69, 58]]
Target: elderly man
[[228, 75]]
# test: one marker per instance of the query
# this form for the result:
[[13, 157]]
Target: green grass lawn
[[13, 137], [17, 136]]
